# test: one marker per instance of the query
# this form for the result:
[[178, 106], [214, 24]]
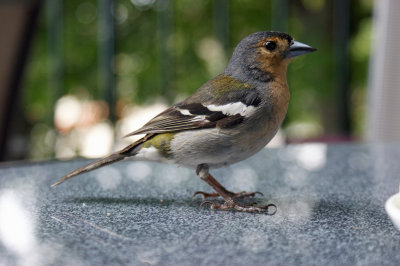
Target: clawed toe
[[230, 204], [205, 195], [252, 208], [239, 195]]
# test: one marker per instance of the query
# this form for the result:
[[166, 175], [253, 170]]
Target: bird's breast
[[278, 97], [269, 117]]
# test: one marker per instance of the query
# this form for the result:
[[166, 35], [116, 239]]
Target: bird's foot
[[245, 194], [233, 195], [231, 204]]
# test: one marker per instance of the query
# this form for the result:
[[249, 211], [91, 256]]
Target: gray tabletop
[[329, 198]]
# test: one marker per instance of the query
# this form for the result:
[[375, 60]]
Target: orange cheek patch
[[268, 63], [272, 64]]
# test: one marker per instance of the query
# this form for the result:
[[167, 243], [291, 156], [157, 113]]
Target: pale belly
[[218, 148]]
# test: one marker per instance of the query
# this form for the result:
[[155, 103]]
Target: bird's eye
[[270, 45]]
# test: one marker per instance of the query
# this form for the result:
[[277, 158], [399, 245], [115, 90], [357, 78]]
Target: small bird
[[228, 119]]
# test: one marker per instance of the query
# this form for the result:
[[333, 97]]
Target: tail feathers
[[115, 157], [129, 151]]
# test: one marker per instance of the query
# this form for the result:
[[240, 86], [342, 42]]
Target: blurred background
[[77, 75]]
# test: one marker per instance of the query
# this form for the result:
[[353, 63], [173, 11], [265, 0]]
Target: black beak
[[298, 48]]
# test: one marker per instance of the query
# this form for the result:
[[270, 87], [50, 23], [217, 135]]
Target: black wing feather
[[192, 114]]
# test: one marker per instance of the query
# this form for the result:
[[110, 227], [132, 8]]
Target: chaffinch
[[228, 119]]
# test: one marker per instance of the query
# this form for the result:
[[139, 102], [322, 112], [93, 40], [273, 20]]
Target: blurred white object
[[67, 112], [383, 117], [97, 140], [392, 207]]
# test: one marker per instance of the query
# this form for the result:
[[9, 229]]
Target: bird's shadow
[[191, 203], [195, 202]]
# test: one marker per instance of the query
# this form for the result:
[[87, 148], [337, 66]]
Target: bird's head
[[264, 56]]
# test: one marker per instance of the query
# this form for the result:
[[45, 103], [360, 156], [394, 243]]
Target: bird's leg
[[205, 195], [203, 172]]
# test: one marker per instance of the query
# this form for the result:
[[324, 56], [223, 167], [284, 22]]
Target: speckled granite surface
[[330, 212]]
